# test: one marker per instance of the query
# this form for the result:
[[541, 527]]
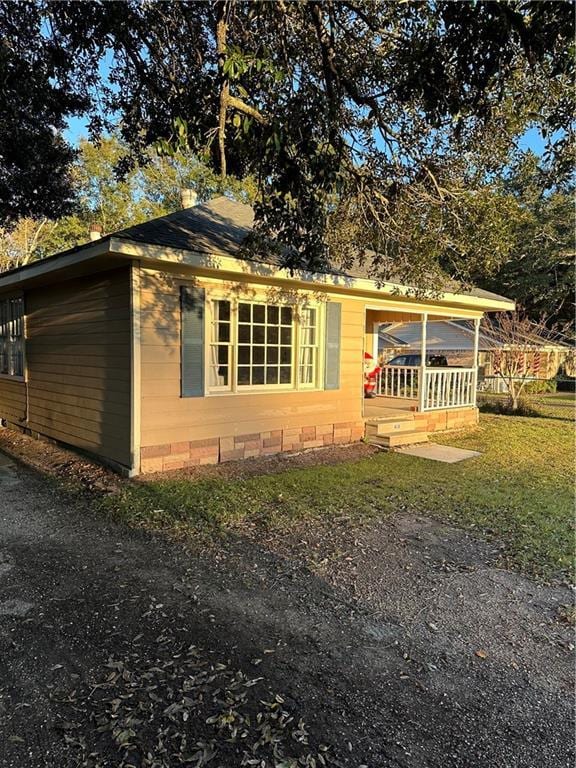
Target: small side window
[[12, 336]]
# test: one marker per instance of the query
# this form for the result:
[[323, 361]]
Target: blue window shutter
[[332, 349], [192, 302]]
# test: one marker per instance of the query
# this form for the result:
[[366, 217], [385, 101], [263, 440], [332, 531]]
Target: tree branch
[[240, 106]]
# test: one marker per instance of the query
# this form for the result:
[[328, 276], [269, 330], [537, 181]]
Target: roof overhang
[[209, 264]]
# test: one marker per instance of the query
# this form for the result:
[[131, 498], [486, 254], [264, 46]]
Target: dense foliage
[[356, 118], [539, 271]]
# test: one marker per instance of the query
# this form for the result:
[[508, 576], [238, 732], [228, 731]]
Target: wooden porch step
[[381, 428], [397, 440]]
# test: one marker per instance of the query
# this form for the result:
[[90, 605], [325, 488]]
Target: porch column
[[375, 332], [475, 358], [422, 375]]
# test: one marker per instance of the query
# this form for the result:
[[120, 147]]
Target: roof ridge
[[206, 204]]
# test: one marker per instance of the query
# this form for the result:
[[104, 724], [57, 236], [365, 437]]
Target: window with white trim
[[255, 345], [308, 347], [12, 336], [219, 367]]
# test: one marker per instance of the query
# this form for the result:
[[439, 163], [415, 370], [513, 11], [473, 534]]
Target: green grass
[[520, 490]]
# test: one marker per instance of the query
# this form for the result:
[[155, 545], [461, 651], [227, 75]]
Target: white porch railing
[[398, 381], [448, 388], [443, 387]]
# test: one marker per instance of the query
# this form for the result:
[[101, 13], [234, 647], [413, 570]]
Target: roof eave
[[212, 262], [228, 264], [17, 277]]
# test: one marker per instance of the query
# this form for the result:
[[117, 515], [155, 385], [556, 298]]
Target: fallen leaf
[[481, 654]]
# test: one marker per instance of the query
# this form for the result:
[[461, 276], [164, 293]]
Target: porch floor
[[380, 407]]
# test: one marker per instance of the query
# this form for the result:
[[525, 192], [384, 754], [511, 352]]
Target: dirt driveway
[[400, 645]]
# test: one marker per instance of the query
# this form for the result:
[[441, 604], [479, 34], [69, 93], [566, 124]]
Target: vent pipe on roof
[[188, 197], [95, 231]]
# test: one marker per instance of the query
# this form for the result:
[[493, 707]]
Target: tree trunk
[[221, 33]]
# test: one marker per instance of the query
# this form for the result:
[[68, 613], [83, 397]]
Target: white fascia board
[[230, 265], [52, 264]]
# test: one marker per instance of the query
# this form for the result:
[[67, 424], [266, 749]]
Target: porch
[[421, 388]]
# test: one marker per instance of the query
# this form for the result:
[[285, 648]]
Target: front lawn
[[520, 490]]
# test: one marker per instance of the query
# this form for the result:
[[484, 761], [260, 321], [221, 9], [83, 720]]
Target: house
[[160, 347], [545, 356]]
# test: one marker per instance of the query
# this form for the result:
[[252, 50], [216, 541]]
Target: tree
[[19, 245], [539, 271], [517, 342], [357, 114], [113, 203]]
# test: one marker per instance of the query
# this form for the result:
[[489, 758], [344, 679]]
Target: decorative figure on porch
[[371, 372]]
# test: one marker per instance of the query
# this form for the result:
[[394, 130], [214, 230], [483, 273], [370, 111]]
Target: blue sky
[[533, 140]]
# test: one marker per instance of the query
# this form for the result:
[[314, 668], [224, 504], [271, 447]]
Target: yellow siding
[[12, 400], [78, 363], [168, 418]]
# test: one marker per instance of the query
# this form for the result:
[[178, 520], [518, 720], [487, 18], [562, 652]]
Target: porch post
[[375, 338], [475, 359], [422, 376]]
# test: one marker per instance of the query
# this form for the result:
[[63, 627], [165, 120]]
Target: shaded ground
[[398, 643]]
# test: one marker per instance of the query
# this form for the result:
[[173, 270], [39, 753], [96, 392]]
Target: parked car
[[435, 361]]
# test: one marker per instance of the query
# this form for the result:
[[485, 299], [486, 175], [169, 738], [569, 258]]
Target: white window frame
[[16, 336], [237, 389], [211, 344], [316, 348]]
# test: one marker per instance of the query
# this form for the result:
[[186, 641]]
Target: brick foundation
[[162, 458], [451, 418]]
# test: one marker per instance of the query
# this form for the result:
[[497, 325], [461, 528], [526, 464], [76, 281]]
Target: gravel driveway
[[392, 644]]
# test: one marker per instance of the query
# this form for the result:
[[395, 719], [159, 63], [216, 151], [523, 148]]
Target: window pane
[[272, 375], [285, 374], [244, 334], [273, 313], [286, 335], [258, 355], [285, 355], [286, 316], [222, 310], [258, 374], [243, 375], [259, 313], [272, 355], [309, 336], [224, 332], [219, 369], [258, 334], [272, 335], [244, 355], [244, 313]]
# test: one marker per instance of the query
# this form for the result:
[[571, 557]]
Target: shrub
[[503, 407], [540, 386]]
